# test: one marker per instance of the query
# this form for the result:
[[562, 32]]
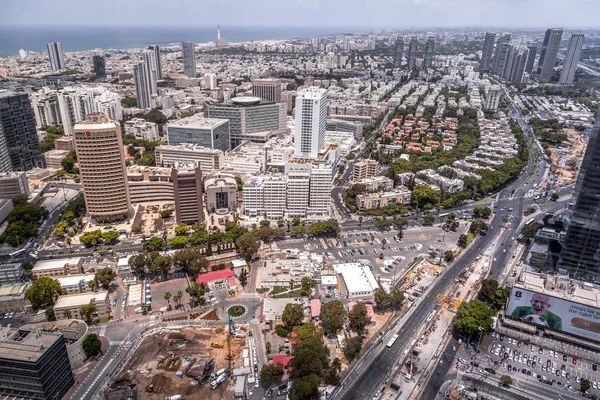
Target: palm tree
[[291, 286], [168, 298], [178, 297], [68, 241]]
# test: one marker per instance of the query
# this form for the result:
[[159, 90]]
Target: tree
[[352, 347], [463, 241], [307, 285], [555, 196], [177, 298], [166, 214], [307, 330], [396, 298], [528, 231], [178, 242], [506, 380], [92, 345], [382, 299], [182, 230], [243, 278], [87, 312], [104, 277], [448, 256], [383, 224], [197, 291], [360, 220], [478, 227], [110, 236], [271, 374], [91, 238], [265, 222], [265, 233], [472, 315], [161, 266], [425, 197], [247, 246], [451, 225], [429, 219], [333, 315], [67, 313], [168, 296], [310, 357], [43, 292], [190, 261], [585, 385], [50, 316], [358, 318], [292, 315], [305, 388], [154, 244]]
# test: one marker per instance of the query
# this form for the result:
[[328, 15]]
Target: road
[[380, 361]]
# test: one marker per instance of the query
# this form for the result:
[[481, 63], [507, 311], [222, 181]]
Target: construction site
[[193, 362]]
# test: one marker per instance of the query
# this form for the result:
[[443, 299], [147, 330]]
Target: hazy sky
[[347, 13]]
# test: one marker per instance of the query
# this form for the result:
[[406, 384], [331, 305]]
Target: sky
[[401, 14]]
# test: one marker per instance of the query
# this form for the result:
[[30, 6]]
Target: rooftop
[[72, 280], [13, 290], [214, 275], [356, 277], [249, 100], [56, 263], [80, 299], [72, 330], [562, 287], [197, 121], [187, 147], [25, 345]]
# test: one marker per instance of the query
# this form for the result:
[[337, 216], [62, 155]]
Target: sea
[[80, 38]]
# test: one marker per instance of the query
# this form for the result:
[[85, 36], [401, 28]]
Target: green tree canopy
[[307, 285], [472, 315], [92, 345], [87, 312], [154, 244], [190, 261], [358, 318], [104, 277], [292, 315], [333, 315], [43, 292], [247, 246], [352, 347], [110, 236], [270, 374]]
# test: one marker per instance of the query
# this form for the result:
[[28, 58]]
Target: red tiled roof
[[315, 308], [283, 360], [214, 275]]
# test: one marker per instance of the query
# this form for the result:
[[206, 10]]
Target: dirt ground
[[192, 347], [562, 173]]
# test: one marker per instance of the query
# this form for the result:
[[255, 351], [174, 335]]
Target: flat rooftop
[[197, 121], [25, 345], [13, 290], [72, 280], [80, 299], [562, 287], [191, 147], [356, 277], [72, 330], [56, 263]]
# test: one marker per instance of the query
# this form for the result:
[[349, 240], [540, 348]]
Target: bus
[[18, 252], [392, 341], [532, 220]]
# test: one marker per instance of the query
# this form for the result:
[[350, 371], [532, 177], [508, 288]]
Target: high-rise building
[[187, 188], [492, 96], [158, 65], [34, 364], [413, 47], [298, 188], [14, 185], [321, 176], [69, 105], [143, 85], [531, 58], [250, 119], [267, 89], [580, 253], [99, 65], [501, 55], [364, 169], [207, 132], [571, 59], [311, 120], [148, 58], [398, 51], [429, 52], [210, 81], [99, 149], [19, 133], [515, 64], [189, 59], [550, 46], [488, 51], [56, 56]]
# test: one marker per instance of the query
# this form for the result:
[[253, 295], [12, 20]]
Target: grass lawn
[[236, 311], [297, 292], [262, 290]]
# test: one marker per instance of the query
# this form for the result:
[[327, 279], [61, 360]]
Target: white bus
[[530, 221], [18, 252], [392, 341]]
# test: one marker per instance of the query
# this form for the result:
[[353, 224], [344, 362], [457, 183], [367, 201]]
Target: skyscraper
[[187, 188], [548, 55], [501, 54], [99, 65], [57, 58], [267, 89], [398, 51], [571, 59], [429, 52], [19, 133], [311, 119], [148, 57], [488, 50], [533, 48], [517, 68], [99, 149], [412, 52], [158, 66], [143, 85], [580, 253], [189, 59]]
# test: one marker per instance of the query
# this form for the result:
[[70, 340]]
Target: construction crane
[[229, 335]]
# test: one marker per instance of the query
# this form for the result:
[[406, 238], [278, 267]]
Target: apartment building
[[10, 273], [207, 158], [149, 184], [142, 129], [267, 89], [73, 303], [56, 267], [377, 183], [54, 158], [364, 169], [321, 177], [298, 189], [274, 188], [311, 121], [12, 297], [99, 148]]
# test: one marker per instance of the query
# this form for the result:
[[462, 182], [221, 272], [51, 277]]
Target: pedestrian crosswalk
[[116, 343]]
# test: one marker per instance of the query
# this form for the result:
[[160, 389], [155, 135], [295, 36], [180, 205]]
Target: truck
[[220, 372], [175, 397], [220, 379]]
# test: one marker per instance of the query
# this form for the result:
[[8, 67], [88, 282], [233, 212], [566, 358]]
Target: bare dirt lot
[[162, 354]]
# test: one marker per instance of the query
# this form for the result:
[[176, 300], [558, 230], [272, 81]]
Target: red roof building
[[315, 308], [283, 360], [223, 274]]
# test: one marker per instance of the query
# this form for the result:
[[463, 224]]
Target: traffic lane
[[442, 372]]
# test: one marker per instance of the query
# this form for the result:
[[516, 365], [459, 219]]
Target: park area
[[178, 361]]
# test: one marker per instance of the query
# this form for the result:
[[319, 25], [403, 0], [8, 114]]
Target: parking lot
[[517, 358]]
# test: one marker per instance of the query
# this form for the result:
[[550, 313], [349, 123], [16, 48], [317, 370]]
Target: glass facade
[[580, 254], [216, 137]]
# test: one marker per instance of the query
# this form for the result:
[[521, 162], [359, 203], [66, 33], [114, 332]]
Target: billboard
[[554, 313]]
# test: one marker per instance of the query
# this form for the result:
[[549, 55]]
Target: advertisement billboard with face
[[554, 313]]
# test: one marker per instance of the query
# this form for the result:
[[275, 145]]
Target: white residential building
[[311, 121], [275, 196], [321, 176], [298, 189], [142, 129], [210, 81], [208, 159]]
